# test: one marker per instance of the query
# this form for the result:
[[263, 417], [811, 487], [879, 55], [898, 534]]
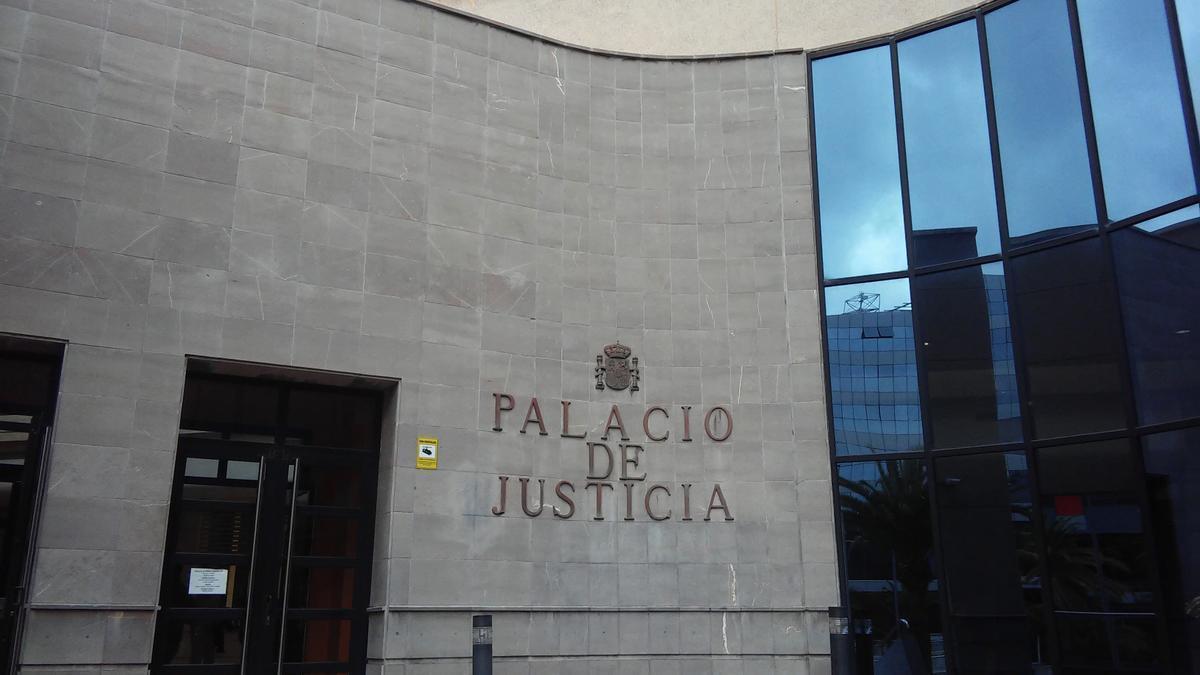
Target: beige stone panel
[[660, 27], [813, 24], [698, 27]]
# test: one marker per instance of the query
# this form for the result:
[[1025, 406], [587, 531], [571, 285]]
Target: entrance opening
[[268, 558], [29, 374]]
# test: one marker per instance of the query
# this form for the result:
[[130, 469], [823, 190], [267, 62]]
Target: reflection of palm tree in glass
[[1082, 573], [889, 513], [1083, 577]]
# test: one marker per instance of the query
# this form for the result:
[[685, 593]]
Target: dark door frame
[[283, 463]]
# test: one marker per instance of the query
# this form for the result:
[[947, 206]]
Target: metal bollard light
[[481, 644], [841, 642]]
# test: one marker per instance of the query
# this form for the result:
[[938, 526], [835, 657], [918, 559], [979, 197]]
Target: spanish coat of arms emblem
[[615, 369]]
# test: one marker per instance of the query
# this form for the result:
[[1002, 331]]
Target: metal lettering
[[500, 407], [498, 510], [592, 473], [566, 426], [646, 423], [535, 414], [599, 497], [649, 493], [728, 418], [626, 460], [570, 503], [615, 413], [525, 497], [717, 495]]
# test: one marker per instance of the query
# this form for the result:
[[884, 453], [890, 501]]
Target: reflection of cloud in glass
[[1047, 179], [1140, 128], [1189, 30], [946, 135], [862, 224], [1167, 220]]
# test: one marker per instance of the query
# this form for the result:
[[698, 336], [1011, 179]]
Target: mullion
[[1133, 445], [838, 519], [947, 624]]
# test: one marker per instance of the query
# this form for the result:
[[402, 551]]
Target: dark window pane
[[950, 184], [211, 531], [343, 419], [1140, 129], [1173, 481], [1069, 331], [1095, 544], [317, 640], [231, 406], [872, 368], [888, 541], [967, 345], [1043, 152], [321, 587], [858, 166], [325, 536], [1105, 644], [196, 641], [1158, 274], [990, 561], [323, 485]]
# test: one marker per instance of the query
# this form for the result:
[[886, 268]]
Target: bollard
[[481, 644], [841, 643]]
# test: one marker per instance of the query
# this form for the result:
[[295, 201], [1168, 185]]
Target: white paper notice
[[206, 581]]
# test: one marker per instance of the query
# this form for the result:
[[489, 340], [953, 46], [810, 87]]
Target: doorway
[[268, 558], [29, 371]]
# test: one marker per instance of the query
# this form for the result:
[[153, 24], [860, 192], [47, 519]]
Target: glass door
[[28, 375], [267, 568]]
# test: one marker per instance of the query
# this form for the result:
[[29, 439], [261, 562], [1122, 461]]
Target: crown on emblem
[[617, 351]]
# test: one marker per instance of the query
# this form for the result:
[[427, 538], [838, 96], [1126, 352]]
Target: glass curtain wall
[[1009, 230]]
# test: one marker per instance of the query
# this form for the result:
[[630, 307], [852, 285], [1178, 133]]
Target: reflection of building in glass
[[873, 376], [1047, 527], [1003, 368]]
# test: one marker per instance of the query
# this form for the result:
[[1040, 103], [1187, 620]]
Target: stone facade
[[379, 187]]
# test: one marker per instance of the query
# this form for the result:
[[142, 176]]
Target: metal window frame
[[1131, 430], [281, 449]]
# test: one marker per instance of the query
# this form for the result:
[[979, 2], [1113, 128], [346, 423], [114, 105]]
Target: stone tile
[[214, 38], [188, 289], [63, 41], [52, 127], [58, 83], [129, 143], [271, 172], [198, 200], [42, 170], [36, 216]]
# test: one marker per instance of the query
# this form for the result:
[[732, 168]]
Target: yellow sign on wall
[[427, 452]]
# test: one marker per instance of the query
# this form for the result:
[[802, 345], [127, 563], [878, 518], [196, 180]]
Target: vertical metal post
[[481, 644], [841, 642]]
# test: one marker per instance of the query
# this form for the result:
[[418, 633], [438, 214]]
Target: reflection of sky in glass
[[872, 368], [1168, 219], [1188, 12], [1047, 180], [946, 135], [862, 223], [1140, 129]]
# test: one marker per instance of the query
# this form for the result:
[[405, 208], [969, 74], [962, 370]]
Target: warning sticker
[[427, 453]]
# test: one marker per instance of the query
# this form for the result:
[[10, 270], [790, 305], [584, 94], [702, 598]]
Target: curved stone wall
[[699, 27], [405, 193]]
